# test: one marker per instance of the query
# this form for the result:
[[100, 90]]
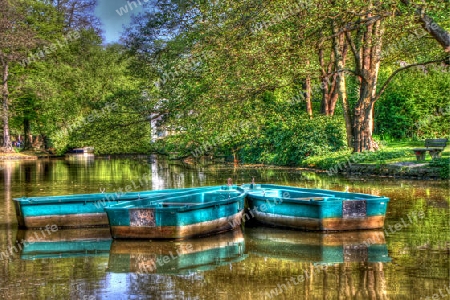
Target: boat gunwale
[[334, 194], [125, 197], [308, 200], [178, 208]]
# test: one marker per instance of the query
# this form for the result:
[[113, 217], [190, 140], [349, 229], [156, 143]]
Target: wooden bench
[[434, 146]]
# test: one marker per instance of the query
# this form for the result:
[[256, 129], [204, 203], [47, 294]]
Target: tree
[[77, 14], [273, 48], [57, 24], [366, 46], [16, 38]]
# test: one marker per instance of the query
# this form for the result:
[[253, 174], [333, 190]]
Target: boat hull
[[177, 217], [177, 232], [66, 220], [309, 209], [325, 224], [81, 210]]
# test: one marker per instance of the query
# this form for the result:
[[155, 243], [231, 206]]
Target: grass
[[16, 154], [409, 155], [391, 152]]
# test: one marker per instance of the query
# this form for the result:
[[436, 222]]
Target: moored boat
[[314, 209], [80, 210], [83, 150], [178, 216]]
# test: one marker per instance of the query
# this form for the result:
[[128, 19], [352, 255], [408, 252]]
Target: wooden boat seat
[[165, 204], [309, 198]]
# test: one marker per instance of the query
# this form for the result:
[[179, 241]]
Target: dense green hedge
[[415, 106], [290, 141]]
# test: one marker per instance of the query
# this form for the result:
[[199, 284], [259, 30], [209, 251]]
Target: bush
[[415, 106], [443, 164], [292, 140]]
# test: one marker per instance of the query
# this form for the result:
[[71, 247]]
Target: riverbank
[[419, 171], [396, 170], [25, 155], [396, 161]]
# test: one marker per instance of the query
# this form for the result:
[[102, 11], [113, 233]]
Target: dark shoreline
[[393, 170]]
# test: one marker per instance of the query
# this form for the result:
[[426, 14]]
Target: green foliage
[[292, 140], [416, 105], [83, 95], [444, 165], [328, 160], [384, 155], [225, 80]]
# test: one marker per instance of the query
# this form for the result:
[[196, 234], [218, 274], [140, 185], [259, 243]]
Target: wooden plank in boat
[[180, 203], [309, 198]]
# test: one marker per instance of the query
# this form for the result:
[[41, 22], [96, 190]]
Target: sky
[[113, 17]]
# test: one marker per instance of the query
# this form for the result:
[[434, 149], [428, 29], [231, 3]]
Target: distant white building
[[157, 132]]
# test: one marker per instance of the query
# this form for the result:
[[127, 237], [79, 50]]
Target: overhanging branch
[[386, 83], [427, 22]]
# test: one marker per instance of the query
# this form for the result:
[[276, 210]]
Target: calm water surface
[[409, 260]]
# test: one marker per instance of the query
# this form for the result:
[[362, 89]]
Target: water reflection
[[64, 243], [179, 257], [319, 248], [83, 159], [409, 263]]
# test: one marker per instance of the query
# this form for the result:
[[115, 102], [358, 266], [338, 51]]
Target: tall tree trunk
[[367, 52], [362, 134], [345, 107], [334, 96], [5, 116], [235, 156], [27, 133], [328, 83], [324, 109], [307, 89], [340, 53]]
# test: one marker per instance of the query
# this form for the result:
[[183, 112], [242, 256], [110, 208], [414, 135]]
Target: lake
[[408, 260]]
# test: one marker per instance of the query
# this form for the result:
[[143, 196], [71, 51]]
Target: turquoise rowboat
[[182, 257], [314, 209], [80, 210], [178, 216]]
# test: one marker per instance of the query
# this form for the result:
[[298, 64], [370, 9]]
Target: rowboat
[[314, 209], [67, 243], [178, 216], [80, 210], [83, 150], [181, 257], [320, 248]]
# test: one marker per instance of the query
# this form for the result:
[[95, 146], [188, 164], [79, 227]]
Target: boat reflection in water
[[64, 243], [81, 159], [176, 257], [322, 248], [338, 265]]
